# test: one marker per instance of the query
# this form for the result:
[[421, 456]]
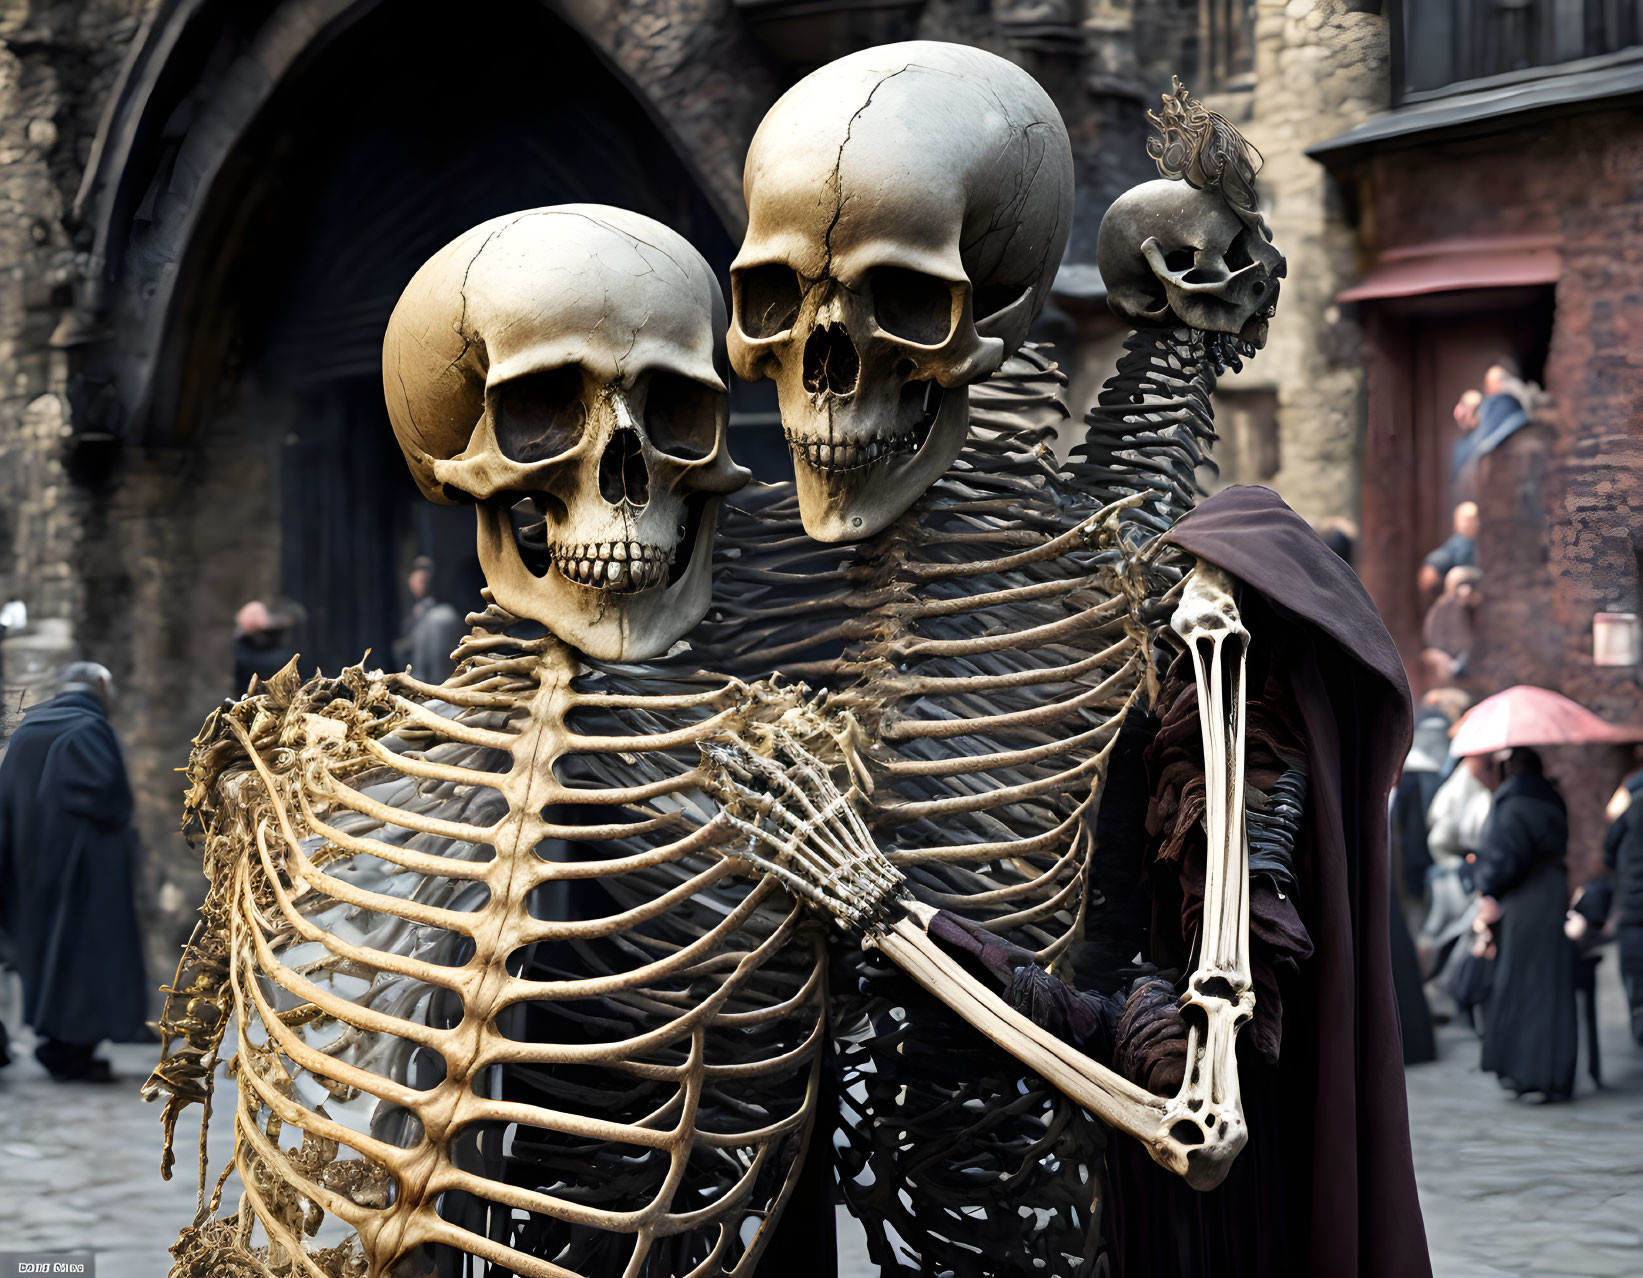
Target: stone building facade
[[1497, 211], [1450, 184], [210, 207], [1293, 419]]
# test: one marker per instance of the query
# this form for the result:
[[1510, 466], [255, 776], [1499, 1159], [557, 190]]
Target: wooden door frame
[[1406, 493]]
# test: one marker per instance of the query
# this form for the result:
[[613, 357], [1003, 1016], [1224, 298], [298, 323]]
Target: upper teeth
[[613, 565], [842, 456]]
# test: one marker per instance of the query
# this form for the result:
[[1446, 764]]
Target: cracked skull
[[907, 209], [557, 367], [1170, 249]]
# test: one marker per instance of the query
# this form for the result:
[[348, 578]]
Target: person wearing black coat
[[1623, 853], [67, 871], [1529, 1034]]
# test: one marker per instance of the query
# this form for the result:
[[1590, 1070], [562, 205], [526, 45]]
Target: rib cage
[[993, 638], [996, 672], [500, 997], [990, 642]]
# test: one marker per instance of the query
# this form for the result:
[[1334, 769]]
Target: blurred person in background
[[262, 641], [432, 629], [1463, 471], [1448, 632], [1529, 1032], [1459, 550], [1504, 409], [1411, 862], [67, 874], [1454, 830], [1587, 926], [1412, 800], [1340, 534], [1623, 853], [1406, 827]]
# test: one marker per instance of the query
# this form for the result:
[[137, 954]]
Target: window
[[1441, 44], [1209, 43], [1226, 44]]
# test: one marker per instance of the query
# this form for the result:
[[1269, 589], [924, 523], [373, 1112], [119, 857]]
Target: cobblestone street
[[1512, 1187], [1554, 1191]]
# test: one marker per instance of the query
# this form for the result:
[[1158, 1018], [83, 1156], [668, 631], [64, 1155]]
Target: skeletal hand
[[775, 787]]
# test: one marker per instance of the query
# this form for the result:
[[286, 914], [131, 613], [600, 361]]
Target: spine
[[1153, 427]]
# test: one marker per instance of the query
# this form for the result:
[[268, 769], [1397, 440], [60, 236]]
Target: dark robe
[[258, 656], [1420, 1043], [1623, 853], [432, 632], [67, 874], [1410, 802], [1529, 1028], [1326, 1185]]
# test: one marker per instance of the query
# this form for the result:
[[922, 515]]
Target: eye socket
[[1180, 260], [1237, 255], [912, 306], [767, 300], [682, 416], [540, 415]]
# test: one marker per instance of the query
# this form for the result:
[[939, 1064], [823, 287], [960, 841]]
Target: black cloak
[[67, 874], [1326, 1185], [1623, 854], [1529, 1028]]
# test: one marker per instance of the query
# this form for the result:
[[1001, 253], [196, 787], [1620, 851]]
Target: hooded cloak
[[1326, 1185], [67, 874]]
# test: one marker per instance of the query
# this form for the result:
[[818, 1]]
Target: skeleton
[[866, 805], [495, 989], [992, 680]]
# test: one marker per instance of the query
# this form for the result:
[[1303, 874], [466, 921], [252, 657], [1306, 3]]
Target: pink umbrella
[[1529, 716]]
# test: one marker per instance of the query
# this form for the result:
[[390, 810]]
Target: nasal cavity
[[831, 362], [623, 475]]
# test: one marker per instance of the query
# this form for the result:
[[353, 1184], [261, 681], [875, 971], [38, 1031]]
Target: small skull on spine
[[557, 367], [1192, 247]]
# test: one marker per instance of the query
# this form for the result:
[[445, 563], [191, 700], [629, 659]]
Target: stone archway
[[286, 169]]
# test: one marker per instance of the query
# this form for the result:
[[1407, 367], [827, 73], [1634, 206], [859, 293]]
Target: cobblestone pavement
[[1515, 1187], [1554, 1191], [80, 1164]]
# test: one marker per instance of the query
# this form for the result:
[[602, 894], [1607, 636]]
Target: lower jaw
[[541, 558], [840, 505]]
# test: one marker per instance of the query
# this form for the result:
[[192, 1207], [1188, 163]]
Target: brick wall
[[1559, 537]]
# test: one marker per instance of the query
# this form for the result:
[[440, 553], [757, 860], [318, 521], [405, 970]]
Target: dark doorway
[[1423, 353], [401, 134]]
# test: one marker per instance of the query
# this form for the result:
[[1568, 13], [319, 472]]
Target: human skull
[[557, 367], [1167, 248], [907, 209]]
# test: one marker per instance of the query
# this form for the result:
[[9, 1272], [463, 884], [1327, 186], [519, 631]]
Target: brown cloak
[[1326, 1185]]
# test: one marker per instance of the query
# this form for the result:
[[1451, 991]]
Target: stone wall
[[1321, 68], [57, 63]]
